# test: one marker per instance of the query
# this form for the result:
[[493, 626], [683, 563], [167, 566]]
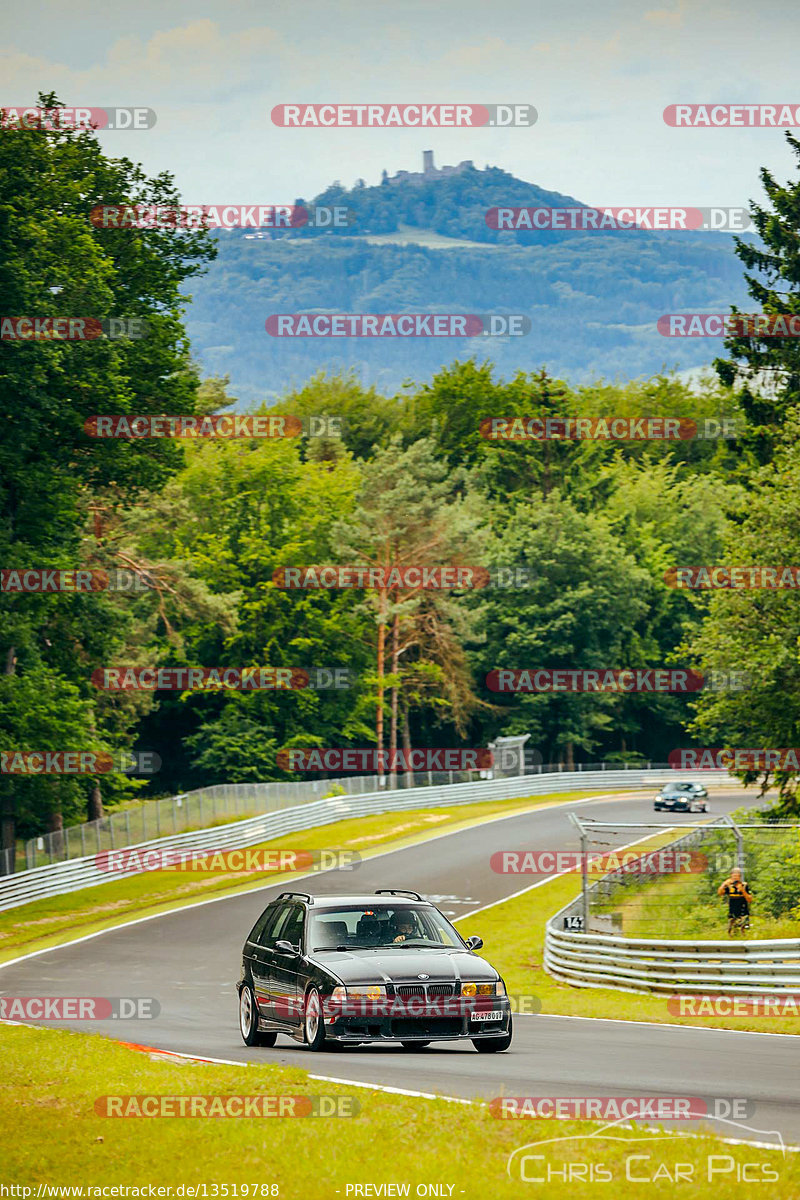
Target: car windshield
[[354, 927]]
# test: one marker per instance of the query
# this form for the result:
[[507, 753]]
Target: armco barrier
[[659, 966], [83, 872], [650, 965]]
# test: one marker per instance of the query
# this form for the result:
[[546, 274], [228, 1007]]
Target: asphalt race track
[[189, 961]]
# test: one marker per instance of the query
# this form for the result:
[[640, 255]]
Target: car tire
[[313, 1023], [494, 1045], [414, 1045], [248, 1021]]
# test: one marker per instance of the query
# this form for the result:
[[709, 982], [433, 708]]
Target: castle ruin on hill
[[429, 171]]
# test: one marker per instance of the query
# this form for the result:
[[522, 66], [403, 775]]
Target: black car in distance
[[386, 967], [682, 797]]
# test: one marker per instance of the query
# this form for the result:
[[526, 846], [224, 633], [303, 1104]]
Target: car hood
[[386, 965]]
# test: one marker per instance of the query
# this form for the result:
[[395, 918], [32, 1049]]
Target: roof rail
[[302, 895], [397, 892]]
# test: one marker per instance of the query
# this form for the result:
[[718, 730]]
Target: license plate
[[496, 1014]]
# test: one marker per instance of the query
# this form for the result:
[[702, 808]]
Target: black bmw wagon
[[386, 967]]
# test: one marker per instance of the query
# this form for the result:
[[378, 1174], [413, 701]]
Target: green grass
[[513, 934], [49, 922], [677, 908], [52, 1134]]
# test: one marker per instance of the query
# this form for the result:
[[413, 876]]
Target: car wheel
[[313, 1023], [414, 1045], [248, 1021], [494, 1045]]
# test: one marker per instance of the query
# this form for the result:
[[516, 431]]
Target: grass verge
[[48, 922], [678, 908], [53, 1135]]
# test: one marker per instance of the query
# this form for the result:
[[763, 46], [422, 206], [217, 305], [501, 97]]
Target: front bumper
[[445, 1021]]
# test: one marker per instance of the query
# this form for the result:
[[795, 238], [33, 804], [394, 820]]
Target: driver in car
[[404, 927]]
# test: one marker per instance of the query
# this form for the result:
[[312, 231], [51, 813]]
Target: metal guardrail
[[655, 966], [59, 878], [667, 966]]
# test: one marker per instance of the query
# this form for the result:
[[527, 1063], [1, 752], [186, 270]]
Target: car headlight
[[370, 991], [479, 989]]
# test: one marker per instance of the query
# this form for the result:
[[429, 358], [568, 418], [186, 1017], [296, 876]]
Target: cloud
[[191, 62]]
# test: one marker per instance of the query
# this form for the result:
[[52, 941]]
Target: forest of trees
[[208, 524], [593, 300]]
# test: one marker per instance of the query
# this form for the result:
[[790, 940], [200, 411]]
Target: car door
[[285, 968], [262, 956]]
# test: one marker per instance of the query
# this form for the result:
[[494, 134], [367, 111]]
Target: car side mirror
[[474, 943], [287, 948]]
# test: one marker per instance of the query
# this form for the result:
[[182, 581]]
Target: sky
[[599, 76]]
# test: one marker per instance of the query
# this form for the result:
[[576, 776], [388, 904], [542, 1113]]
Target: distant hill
[[420, 243], [451, 202]]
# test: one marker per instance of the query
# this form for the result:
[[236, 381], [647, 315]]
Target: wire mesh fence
[[673, 891]]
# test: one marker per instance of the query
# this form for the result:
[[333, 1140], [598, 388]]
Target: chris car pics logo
[[619, 1152]]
